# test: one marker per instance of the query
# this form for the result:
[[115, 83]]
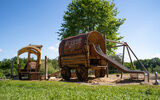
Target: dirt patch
[[111, 80]]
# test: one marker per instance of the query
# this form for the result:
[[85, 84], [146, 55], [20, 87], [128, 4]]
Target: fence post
[[46, 68]]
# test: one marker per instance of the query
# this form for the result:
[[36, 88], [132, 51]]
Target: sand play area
[[113, 79]]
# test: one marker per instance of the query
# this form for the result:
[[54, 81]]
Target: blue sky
[[24, 22]]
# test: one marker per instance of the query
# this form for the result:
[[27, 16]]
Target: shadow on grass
[[76, 80], [130, 81]]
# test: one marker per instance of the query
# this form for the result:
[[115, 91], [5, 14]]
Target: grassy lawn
[[50, 90]]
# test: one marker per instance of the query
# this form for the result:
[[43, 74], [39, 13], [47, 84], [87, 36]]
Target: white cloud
[[1, 50], [52, 48]]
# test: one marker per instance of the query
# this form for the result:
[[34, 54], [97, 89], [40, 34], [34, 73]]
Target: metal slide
[[115, 63]]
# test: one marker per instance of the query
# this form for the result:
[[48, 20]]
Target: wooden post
[[123, 59], [29, 56], [104, 37], [28, 68], [46, 68], [107, 70], [130, 58], [123, 55]]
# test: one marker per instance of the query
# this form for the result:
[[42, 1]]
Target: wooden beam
[[98, 67], [114, 41], [137, 59], [117, 46], [123, 55], [130, 57], [74, 57], [73, 62]]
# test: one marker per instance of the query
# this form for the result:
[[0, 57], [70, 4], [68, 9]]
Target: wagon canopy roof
[[90, 36], [35, 49], [77, 44]]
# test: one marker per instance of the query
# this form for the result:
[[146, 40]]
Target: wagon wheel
[[66, 73], [102, 73], [97, 73], [82, 73]]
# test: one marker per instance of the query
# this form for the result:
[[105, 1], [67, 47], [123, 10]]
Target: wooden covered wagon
[[31, 70], [78, 53]]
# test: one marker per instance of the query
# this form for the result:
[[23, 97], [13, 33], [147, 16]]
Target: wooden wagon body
[[78, 53], [32, 67]]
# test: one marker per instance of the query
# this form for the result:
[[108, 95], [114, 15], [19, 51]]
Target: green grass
[[50, 90]]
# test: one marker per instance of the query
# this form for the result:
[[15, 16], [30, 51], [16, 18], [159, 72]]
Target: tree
[[157, 69], [91, 15]]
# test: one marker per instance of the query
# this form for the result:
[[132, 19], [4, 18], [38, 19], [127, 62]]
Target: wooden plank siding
[[78, 50]]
